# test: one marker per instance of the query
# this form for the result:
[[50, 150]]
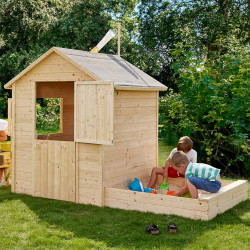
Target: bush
[[48, 115], [212, 108]]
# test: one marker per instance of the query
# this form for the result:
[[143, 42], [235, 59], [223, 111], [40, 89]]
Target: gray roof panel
[[112, 68]]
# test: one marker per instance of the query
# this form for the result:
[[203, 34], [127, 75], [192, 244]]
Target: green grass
[[35, 223], [164, 151], [46, 132]]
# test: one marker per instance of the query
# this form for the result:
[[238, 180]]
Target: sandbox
[[206, 207]]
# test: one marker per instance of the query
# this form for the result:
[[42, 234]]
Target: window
[[49, 115], [55, 111]]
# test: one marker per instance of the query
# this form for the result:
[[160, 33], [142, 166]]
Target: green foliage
[[212, 106], [29, 28], [48, 115], [200, 23], [3, 104], [209, 104]]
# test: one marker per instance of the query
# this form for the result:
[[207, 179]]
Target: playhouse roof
[[102, 67]]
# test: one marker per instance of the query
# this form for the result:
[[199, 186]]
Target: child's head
[[180, 161], [185, 144]]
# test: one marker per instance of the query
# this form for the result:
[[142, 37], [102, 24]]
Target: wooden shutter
[[94, 109]]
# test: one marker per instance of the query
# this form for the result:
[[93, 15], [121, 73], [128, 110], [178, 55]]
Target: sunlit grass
[[27, 222], [164, 151]]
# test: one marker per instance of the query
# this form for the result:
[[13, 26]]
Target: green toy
[[187, 195], [164, 185]]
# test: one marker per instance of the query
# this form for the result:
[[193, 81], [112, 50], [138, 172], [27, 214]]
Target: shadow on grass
[[121, 228]]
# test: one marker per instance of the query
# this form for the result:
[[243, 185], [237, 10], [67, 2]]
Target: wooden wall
[[53, 68], [160, 204], [135, 152], [89, 174]]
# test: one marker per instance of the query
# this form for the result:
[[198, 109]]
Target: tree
[[204, 43], [212, 106], [29, 28], [202, 24]]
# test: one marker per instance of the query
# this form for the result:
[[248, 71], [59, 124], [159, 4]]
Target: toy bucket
[[136, 185]]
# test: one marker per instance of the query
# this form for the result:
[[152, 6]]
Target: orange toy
[[170, 193], [153, 192]]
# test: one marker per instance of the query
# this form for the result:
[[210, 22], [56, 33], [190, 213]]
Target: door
[[54, 170]]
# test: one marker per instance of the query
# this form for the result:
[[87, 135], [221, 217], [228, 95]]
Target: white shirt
[[3, 125], [192, 155]]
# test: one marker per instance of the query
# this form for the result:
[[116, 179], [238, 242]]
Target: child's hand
[[176, 193], [165, 175]]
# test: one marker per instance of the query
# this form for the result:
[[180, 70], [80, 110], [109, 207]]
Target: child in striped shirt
[[197, 175]]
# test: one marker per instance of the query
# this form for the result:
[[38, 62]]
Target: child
[[184, 144], [197, 175], [3, 137]]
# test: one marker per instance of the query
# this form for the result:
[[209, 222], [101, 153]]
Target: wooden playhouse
[[108, 136]]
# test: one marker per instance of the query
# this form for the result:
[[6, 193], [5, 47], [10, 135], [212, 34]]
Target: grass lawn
[[36, 223]]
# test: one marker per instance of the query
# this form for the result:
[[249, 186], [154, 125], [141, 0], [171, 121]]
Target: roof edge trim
[[117, 87], [40, 59], [30, 67]]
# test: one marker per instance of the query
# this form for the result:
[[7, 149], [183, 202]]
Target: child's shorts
[[174, 173], [205, 184]]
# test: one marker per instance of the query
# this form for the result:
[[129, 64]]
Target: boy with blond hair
[[197, 175], [184, 144]]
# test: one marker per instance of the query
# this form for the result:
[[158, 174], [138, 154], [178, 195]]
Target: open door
[[94, 111]]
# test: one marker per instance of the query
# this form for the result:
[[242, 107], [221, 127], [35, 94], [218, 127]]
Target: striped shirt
[[202, 170]]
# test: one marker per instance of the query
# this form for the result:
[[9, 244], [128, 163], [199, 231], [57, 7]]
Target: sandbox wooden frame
[[95, 168], [206, 207]]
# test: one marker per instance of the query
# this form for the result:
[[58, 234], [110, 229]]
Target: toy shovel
[[164, 185]]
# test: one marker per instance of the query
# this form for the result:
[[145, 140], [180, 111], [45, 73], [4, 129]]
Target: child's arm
[[3, 136], [218, 178], [182, 190], [193, 159], [167, 165]]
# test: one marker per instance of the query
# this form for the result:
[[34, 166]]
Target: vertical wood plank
[[44, 169], [75, 111], [64, 184], [104, 111], [13, 139], [101, 163], [71, 172], [9, 117], [87, 109], [101, 114], [51, 168], [36, 175], [57, 174], [77, 173]]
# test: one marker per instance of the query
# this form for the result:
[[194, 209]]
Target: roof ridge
[[91, 53]]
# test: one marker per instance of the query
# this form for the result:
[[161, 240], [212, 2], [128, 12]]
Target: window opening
[[49, 116]]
